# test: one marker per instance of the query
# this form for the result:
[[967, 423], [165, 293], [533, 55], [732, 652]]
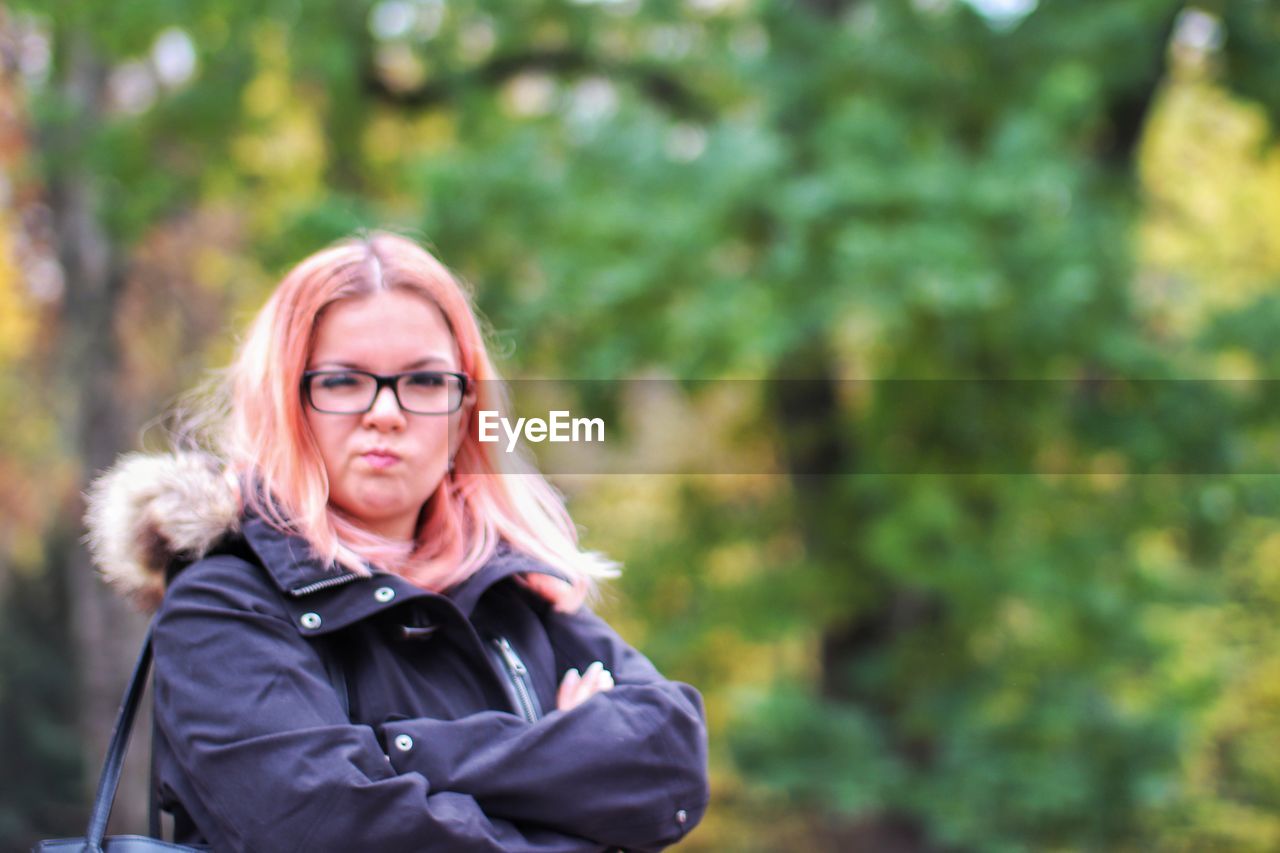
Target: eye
[[426, 379], [339, 381]]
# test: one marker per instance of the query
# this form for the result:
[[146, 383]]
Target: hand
[[576, 689]]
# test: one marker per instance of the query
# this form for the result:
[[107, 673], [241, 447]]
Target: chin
[[373, 508]]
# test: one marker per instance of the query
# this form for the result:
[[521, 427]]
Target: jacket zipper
[[298, 592], [518, 675]]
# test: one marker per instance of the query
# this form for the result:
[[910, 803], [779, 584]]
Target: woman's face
[[384, 464]]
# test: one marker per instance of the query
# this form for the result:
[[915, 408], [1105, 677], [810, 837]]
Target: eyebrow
[[422, 362]]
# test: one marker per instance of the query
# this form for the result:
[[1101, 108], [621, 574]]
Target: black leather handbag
[[93, 840]]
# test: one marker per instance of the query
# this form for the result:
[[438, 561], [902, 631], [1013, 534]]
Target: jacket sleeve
[[628, 767], [268, 755]]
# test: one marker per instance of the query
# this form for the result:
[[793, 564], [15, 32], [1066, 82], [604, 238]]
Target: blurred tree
[[989, 654]]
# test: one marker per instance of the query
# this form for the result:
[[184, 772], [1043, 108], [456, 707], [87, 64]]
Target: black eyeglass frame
[[383, 381]]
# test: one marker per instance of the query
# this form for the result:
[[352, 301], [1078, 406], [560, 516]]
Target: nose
[[386, 412]]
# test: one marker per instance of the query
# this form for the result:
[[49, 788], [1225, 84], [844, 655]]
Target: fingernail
[[596, 667]]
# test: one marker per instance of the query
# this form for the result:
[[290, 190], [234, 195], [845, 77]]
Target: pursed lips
[[380, 457]]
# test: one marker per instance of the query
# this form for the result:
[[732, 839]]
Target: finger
[[602, 680], [579, 688], [591, 677], [587, 685], [566, 695]]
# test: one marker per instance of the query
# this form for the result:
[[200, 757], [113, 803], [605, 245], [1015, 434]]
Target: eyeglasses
[[353, 392]]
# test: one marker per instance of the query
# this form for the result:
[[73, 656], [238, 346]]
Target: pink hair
[[490, 496]]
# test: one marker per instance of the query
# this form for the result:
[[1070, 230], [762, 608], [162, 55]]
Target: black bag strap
[[154, 828], [117, 747]]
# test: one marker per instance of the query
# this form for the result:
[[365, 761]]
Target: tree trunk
[[105, 632], [819, 454]]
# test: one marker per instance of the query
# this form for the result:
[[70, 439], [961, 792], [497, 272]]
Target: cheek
[[433, 441], [329, 436]]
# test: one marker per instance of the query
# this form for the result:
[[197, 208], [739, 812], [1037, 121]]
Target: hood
[[149, 510], [152, 513]]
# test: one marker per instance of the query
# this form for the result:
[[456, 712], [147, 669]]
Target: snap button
[[384, 594], [682, 816], [404, 743], [310, 620]]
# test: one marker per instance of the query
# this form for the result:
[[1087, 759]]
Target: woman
[[373, 635]]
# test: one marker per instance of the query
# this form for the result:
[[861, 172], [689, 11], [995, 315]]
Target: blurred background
[[1078, 650]]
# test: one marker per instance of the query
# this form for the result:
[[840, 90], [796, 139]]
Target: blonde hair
[[487, 497]]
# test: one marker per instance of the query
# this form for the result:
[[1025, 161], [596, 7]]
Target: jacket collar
[[298, 573], [288, 558], [504, 563]]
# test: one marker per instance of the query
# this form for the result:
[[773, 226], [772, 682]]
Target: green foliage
[[806, 749], [1014, 621]]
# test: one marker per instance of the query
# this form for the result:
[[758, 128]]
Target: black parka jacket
[[302, 707]]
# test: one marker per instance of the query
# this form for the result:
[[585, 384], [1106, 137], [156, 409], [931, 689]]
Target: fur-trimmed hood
[[153, 513], [149, 510]]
